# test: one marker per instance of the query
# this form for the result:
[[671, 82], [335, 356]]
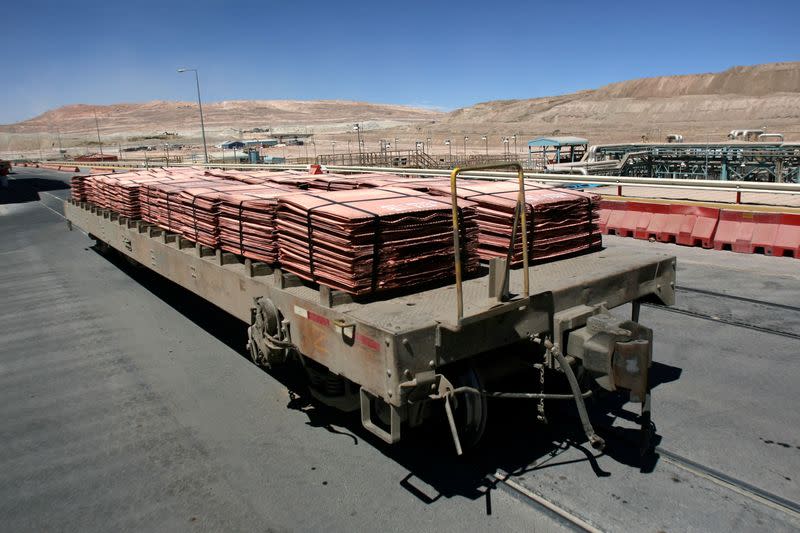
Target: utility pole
[[97, 127], [200, 105], [357, 127], [60, 149]]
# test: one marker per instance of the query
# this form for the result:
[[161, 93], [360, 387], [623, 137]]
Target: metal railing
[[519, 217], [494, 175]]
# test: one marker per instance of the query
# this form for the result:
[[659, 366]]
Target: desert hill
[[159, 115], [699, 106], [695, 105]]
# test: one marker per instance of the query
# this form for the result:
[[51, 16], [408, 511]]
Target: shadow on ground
[[514, 442], [21, 190]]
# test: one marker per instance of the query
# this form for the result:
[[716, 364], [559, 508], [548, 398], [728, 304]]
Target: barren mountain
[[694, 105], [699, 106], [159, 116]]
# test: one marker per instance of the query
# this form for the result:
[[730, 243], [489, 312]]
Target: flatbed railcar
[[402, 358]]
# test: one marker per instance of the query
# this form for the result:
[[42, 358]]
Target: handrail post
[[519, 211]]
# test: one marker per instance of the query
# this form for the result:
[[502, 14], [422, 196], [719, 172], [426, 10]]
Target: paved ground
[[127, 404]]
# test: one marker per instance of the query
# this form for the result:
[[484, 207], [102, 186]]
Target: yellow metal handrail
[[519, 213]]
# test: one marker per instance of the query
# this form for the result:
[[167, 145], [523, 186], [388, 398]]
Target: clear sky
[[439, 54]]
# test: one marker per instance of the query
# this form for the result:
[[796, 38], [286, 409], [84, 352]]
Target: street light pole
[[358, 134], [97, 127], [485, 140], [465, 147], [449, 149], [200, 105]]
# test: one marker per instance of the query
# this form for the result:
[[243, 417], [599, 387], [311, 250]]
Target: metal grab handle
[[519, 213]]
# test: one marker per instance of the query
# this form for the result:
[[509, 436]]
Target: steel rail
[[549, 505], [670, 183], [738, 298], [738, 486], [725, 321]]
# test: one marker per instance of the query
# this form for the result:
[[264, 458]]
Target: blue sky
[[443, 55]]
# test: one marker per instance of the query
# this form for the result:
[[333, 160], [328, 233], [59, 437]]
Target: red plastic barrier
[[769, 233], [683, 224], [787, 239], [697, 225]]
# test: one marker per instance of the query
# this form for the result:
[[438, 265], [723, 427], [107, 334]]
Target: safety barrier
[[769, 233], [687, 225], [63, 168]]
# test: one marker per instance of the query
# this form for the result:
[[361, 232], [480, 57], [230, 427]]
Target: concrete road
[[127, 403]]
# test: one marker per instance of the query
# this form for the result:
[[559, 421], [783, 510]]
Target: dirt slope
[[699, 106], [695, 105], [159, 116]]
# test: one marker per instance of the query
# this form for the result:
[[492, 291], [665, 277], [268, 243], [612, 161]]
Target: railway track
[[730, 321], [730, 483], [738, 486]]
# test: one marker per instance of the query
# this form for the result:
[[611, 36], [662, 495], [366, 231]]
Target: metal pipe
[[519, 395], [667, 183]]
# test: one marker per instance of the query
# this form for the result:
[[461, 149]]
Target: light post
[[357, 129], [97, 126], [515, 145], [333, 147], [200, 105], [449, 149], [465, 147], [396, 144], [314, 144], [505, 146], [429, 144], [485, 140]]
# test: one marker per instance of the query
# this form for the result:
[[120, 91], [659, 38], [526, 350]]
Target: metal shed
[[544, 151]]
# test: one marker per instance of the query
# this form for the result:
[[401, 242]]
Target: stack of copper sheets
[[560, 221], [198, 207], [332, 182], [388, 180], [161, 202], [247, 222], [78, 188], [120, 192], [369, 240]]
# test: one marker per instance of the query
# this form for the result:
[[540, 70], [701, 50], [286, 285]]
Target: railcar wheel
[[470, 411]]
